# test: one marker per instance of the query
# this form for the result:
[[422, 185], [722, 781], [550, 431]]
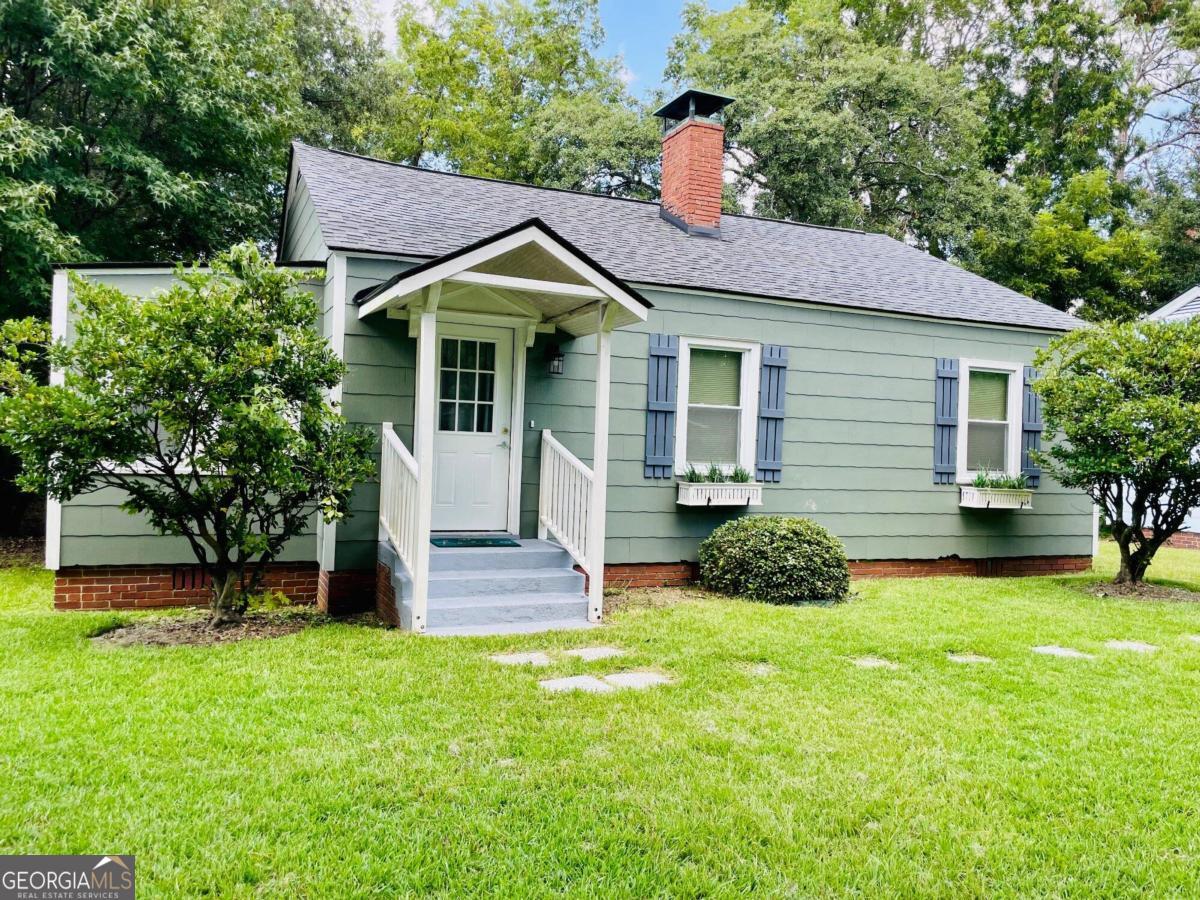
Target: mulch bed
[[193, 629], [1145, 591]]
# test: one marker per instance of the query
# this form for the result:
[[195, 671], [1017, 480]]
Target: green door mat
[[473, 542]]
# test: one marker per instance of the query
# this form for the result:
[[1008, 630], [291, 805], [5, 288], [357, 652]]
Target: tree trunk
[[1133, 563], [224, 604]]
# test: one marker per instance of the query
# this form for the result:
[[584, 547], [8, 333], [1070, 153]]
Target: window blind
[[715, 377], [988, 396]]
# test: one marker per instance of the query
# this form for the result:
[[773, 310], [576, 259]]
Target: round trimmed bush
[[775, 559]]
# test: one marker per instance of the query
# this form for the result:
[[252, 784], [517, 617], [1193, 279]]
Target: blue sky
[[641, 31]]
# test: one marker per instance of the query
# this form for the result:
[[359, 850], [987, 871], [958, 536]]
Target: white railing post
[[544, 487], [599, 498], [426, 391]]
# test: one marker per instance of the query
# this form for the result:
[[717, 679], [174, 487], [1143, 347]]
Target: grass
[[346, 760]]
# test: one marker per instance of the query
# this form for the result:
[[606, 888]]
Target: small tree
[[1126, 398], [206, 405]]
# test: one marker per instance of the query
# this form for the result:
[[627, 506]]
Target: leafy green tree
[[206, 405], [28, 235], [511, 89], [834, 130], [160, 126], [1172, 212], [1126, 400], [1085, 251], [339, 55]]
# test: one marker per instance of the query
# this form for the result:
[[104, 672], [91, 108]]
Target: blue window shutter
[[1031, 428], [662, 385], [772, 397], [945, 422]]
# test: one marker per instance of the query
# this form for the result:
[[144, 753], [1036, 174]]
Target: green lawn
[[352, 760]]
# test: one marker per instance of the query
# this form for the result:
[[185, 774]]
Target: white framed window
[[717, 404], [989, 417]]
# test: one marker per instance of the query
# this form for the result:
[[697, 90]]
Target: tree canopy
[[136, 130], [512, 89]]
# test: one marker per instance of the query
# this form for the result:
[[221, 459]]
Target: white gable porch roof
[[528, 271]]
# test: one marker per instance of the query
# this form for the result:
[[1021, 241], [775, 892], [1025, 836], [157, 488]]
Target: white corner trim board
[[59, 299]]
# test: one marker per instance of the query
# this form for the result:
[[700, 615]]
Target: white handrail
[[398, 497], [565, 500]]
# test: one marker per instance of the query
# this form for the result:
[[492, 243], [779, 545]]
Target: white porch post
[[426, 389], [595, 546]]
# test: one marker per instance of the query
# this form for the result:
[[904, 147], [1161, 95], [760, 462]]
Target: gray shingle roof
[[371, 205]]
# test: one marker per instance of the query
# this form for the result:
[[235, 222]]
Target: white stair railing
[[565, 500], [398, 498]]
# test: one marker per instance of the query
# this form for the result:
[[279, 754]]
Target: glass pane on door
[[467, 385]]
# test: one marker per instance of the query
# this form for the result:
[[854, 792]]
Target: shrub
[[775, 559]]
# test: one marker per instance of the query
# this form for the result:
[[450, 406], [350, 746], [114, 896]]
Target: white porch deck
[[480, 285]]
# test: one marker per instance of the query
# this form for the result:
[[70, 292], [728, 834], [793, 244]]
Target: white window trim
[[1016, 373], [748, 425]]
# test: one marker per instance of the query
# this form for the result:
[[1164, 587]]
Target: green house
[[547, 370]]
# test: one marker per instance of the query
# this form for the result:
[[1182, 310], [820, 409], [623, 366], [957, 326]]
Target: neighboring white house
[[1185, 306]]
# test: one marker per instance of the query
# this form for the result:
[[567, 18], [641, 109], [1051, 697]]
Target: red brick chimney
[[693, 152]]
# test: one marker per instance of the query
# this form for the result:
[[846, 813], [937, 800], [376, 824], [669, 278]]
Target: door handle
[[503, 445]]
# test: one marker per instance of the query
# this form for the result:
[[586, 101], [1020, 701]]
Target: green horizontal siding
[[858, 435], [302, 239], [381, 360]]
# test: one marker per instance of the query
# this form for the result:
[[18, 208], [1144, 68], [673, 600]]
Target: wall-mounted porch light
[[555, 360]]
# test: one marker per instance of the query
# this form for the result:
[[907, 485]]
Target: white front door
[[474, 419]]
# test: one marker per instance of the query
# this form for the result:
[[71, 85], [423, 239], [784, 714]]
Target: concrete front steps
[[494, 590]]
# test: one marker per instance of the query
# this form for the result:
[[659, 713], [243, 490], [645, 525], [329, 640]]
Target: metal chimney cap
[[693, 103]]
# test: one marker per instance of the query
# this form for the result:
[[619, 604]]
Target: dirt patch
[[620, 599], [22, 551], [1145, 591], [193, 629]]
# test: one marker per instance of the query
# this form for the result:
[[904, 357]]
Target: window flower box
[[722, 493], [995, 498]]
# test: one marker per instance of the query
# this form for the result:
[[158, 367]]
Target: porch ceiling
[[527, 272]]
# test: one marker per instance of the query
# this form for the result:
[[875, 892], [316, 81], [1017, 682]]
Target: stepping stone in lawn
[[968, 658], [586, 683], [1134, 646], [763, 669], [590, 654], [1065, 652], [536, 658], [636, 680], [875, 662], [1194, 638]]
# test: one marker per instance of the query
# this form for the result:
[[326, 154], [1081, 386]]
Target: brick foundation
[[385, 597], [346, 591], [1182, 540], [646, 575], [993, 567], [141, 587]]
